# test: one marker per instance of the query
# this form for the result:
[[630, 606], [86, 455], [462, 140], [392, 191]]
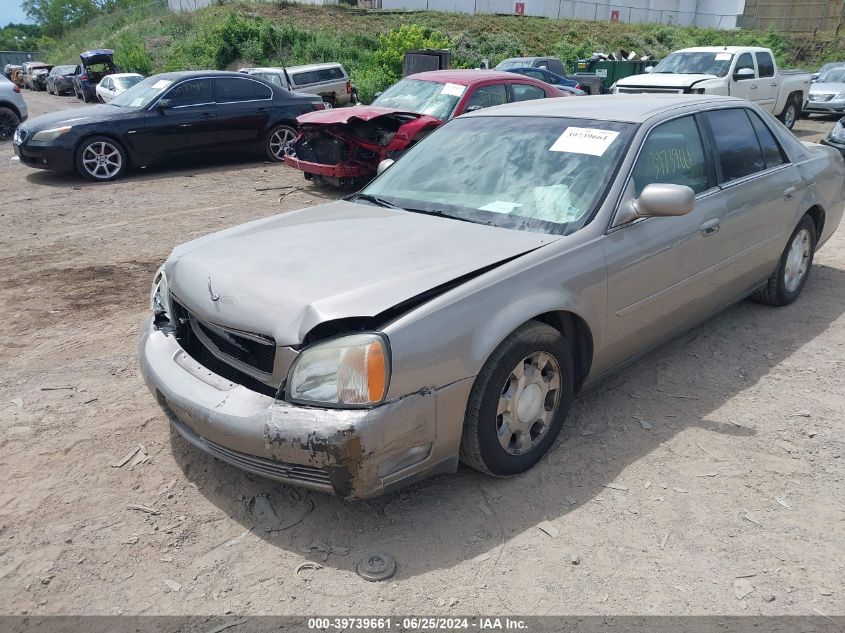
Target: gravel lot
[[732, 502]]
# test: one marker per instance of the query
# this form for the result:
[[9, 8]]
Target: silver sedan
[[453, 308]]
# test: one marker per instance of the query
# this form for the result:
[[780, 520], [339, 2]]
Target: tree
[[56, 16]]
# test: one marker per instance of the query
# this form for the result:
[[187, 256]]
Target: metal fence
[[560, 9], [156, 7], [788, 16]]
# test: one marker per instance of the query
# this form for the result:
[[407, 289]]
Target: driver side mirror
[[664, 200], [649, 69], [383, 165], [162, 105], [743, 73], [473, 108]]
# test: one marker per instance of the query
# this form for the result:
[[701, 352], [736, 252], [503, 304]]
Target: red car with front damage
[[344, 146]]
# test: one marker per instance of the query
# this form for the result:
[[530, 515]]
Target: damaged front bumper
[[354, 453], [339, 170]]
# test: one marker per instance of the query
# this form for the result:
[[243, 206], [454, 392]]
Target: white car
[[112, 85]]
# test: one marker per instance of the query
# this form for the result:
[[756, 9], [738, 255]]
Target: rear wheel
[[786, 283], [790, 113], [9, 122], [519, 401], [100, 158], [277, 139]]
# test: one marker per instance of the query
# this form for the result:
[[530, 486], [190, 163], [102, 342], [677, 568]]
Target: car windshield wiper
[[373, 199], [443, 214]]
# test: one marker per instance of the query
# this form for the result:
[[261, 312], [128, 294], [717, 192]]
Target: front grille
[[634, 91], [249, 352], [258, 355]]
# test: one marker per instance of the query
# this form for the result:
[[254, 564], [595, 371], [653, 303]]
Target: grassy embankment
[[232, 35]]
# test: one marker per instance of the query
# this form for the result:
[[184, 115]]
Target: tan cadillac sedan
[[451, 309]]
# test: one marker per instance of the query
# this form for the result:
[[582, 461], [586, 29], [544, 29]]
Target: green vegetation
[[19, 37], [150, 39]]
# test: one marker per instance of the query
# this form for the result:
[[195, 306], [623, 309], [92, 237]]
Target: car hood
[[663, 80], [364, 113], [283, 275], [77, 116], [827, 88]]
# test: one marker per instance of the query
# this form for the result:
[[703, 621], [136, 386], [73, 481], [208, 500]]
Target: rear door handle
[[787, 193], [206, 115], [710, 226]]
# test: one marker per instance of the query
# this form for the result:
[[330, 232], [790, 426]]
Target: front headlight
[[160, 294], [351, 370], [51, 135], [841, 95], [837, 133]]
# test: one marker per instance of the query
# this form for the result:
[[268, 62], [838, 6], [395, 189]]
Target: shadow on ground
[[452, 518]]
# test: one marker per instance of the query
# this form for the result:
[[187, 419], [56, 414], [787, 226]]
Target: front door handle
[[753, 87], [710, 226], [206, 115], [788, 192]]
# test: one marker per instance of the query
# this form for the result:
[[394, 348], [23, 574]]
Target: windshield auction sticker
[[162, 83], [584, 140], [455, 90]]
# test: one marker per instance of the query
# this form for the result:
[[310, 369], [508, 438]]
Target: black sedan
[[60, 79], [162, 116]]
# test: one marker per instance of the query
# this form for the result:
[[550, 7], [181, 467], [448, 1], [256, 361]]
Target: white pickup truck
[[739, 71]]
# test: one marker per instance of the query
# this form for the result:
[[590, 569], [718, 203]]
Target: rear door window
[[772, 152], [765, 65], [738, 152], [672, 154], [234, 89]]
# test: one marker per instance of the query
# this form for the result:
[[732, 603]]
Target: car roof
[[187, 74], [462, 77], [724, 49], [624, 108], [261, 69]]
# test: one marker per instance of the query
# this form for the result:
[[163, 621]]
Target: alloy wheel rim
[[789, 118], [528, 402], [797, 261], [8, 124], [278, 140], [102, 160]]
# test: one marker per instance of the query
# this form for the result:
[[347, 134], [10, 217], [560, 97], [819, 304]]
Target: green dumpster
[[610, 71]]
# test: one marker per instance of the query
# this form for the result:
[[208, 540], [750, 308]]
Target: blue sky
[[10, 11]]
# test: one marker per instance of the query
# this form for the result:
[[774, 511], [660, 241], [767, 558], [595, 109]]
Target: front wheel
[[276, 141], [789, 114], [786, 283], [100, 158], [519, 401], [9, 122]]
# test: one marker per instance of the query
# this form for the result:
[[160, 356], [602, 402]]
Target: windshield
[[143, 93], [696, 64], [533, 174], [62, 70], [512, 63], [126, 82], [424, 97], [835, 76]]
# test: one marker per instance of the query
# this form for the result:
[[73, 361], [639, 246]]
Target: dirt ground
[[706, 479]]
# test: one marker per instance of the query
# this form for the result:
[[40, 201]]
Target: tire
[[520, 446], [790, 114], [90, 166], [274, 143], [783, 287], [9, 122]]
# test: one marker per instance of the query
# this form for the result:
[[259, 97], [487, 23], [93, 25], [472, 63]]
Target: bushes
[[131, 56], [392, 47]]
